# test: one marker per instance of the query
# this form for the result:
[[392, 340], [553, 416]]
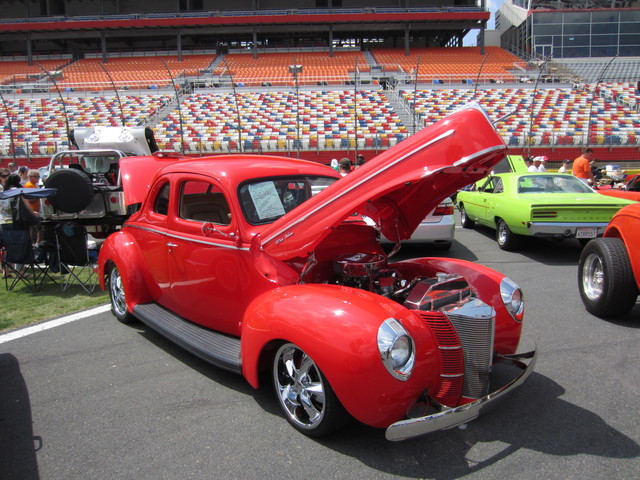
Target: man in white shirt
[[538, 164]]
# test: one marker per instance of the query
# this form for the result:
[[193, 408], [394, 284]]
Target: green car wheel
[[507, 240], [465, 221]]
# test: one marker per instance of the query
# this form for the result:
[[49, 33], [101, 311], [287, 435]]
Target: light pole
[[295, 70]]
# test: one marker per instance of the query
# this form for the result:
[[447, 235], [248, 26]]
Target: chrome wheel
[[465, 221], [299, 386], [605, 278], [305, 396], [506, 239], [592, 277], [117, 297]]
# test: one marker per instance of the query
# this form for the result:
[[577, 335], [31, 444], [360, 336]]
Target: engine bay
[[370, 272]]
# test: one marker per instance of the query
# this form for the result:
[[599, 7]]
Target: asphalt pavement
[[95, 399]]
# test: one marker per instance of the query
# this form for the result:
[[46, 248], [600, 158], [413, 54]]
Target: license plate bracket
[[586, 232]]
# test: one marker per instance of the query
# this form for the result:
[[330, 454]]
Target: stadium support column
[[407, 37], [29, 51], [103, 47], [254, 45], [179, 44], [331, 41]]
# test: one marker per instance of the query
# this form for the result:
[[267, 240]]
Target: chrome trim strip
[[188, 239], [457, 375], [453, 417]]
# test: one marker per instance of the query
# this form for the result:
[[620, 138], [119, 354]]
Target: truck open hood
[[397, 188]]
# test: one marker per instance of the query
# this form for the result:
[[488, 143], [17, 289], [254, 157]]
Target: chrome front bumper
[[452, 417], [559, 229]]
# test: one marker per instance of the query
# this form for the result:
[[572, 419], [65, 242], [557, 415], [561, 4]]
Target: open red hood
[[397, 188]]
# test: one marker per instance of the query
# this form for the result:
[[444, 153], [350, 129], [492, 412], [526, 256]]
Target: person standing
[[23, 172], [345, 167], [359, 161], [581, 168], [541, 163], [33, 182], [531, 167], [563, 167]]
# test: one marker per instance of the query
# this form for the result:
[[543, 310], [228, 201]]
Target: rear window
[[551, 184]]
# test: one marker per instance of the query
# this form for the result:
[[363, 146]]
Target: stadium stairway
[[402, 110]]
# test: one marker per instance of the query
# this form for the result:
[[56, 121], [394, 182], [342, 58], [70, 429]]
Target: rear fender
[[337, 327], [121, 250]]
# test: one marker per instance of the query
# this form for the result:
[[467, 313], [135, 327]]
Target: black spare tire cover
[[75, 191]]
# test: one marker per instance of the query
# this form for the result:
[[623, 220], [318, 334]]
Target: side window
[[202, 201], [499, 187], [161, 205], [488, 186]]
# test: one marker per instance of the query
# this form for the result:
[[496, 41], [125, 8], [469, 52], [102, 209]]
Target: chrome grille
[[474, 322]]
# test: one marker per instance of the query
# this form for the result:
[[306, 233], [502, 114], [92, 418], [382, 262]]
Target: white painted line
[[23, 332]]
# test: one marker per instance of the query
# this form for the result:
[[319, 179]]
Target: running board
[[216, 348]]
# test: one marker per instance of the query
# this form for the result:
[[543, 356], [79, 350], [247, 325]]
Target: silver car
[[437, 228]]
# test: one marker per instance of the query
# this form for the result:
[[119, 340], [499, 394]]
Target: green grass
[[21, 306]]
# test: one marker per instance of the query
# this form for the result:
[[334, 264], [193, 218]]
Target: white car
[[437, 228]]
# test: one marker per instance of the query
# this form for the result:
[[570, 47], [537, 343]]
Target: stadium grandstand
[[316, 79]]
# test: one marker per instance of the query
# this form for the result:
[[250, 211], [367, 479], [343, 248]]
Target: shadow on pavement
[[18, 445]]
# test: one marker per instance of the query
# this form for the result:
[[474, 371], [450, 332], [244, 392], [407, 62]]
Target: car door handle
[[170, 244]]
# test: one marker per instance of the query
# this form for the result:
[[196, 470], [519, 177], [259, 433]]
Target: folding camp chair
[[21, 265], [75, 264]]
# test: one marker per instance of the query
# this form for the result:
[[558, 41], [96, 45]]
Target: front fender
[[337, 327], [484, 281], [121, 250]]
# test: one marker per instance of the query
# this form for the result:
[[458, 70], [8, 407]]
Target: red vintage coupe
[[609, 267], [259, 263]]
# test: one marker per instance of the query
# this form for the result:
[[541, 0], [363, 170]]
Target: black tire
[[117, 297], [605, 278], [507, 240], [309, 403], [75, 191], [465, 221]]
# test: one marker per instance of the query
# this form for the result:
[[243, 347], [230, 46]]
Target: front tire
[[605, 278], [308, 401], [507, 240], [117, 297]]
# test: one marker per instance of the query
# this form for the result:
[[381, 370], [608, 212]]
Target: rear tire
[[507, 240], [117, 297], [465, 221], [605, 278]]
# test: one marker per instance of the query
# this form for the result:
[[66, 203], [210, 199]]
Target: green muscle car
[[536, 204]]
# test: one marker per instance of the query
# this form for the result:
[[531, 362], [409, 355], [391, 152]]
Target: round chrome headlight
[[512, 298], [396, 348]]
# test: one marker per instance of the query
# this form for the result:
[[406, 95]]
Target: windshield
[[266, 200], [551, 184], [98, 164]]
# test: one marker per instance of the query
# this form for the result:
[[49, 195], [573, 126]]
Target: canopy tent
[[30, 193]]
